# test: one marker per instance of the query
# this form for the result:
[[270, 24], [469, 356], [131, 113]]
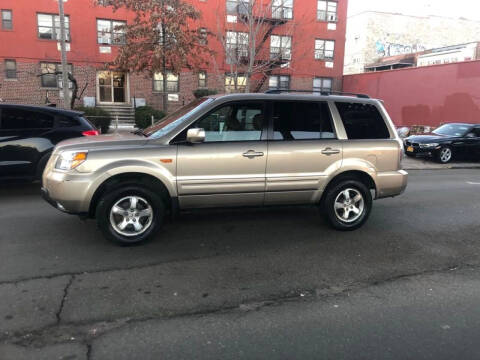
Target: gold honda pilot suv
[[336, 152]]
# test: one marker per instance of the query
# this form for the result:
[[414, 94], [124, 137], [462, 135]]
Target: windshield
[[174, 119], [452, 130]]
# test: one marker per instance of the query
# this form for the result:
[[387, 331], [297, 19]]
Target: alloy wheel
[[131, 216], [349, 205], [445, 155]]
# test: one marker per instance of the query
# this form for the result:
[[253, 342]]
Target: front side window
[[172, 82], [327, 11], [49, 27], [295, 120], [362, 121], [324, 49], [322, 84], [51, 75], [111, 32], [10, 69], [24, 119], [282, 9], [7, 20], [279, 82], [236, 46], [280, 47], [235, 83], [456, 130], [233, 122]]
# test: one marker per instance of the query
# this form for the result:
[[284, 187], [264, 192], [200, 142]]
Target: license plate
[[410, 149]]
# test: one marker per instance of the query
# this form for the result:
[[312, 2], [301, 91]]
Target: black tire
[[108, 200], [439, 155], [334, 192]]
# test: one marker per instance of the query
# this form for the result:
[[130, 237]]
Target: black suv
[[28, 135]]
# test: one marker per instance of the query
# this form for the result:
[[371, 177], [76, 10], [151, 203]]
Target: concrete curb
[[454, 167]]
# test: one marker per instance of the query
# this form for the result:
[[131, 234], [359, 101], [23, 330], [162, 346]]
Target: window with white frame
[[238, 7], [235, 83], [279, 82], [7, 19], [10, 69], [324, 49], [49, 27], [327, 10], [202, 79], [236, 46], [322, 84], [172, 82], [282, 9], [280, 47], [111, 32], [52, 76]]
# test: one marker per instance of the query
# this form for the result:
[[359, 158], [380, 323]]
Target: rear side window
[[362, 121], [25, 119], [66, 122], [296, 120]]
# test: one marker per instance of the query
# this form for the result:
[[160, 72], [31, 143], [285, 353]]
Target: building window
[[327, 11], [111, 32], [279, 82], [203, 36], [322, 84], [280, 47], [236, 46], [49, 27], [202, 79], [282, 9], [172, 82], [7, 20], [104, 2], [324, 49], [10, 69], [237, 7], [51, 75], [235, 84]]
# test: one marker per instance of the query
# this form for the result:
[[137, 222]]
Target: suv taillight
[[90, 133]]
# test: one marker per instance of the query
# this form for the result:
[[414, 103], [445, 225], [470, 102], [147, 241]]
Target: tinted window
[[302, 121], [24, 119], [233, 122], [66, 122], [476, 131], [362, 121]]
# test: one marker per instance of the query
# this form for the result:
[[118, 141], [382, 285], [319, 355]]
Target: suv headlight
[[69, 160], [428, 145]]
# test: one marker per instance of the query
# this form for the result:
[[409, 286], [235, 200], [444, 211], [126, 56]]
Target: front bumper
[[391, 183], [420, 152]]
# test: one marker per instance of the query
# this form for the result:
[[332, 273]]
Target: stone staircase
[[125, 113]]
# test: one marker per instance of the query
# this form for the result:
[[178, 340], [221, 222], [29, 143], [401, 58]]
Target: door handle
[[252, 154], [329, 151]]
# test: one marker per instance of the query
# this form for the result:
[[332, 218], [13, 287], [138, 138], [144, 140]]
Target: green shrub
[[99, 117], [199, 93], [143, 116]]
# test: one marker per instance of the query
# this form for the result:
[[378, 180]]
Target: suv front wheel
[[347, 205], [130, 214]]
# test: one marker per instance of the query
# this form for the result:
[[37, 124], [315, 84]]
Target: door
[[112, 87], [24, 137], [228, 169], [302, 146]]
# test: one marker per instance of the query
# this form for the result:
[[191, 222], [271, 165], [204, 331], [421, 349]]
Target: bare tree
[[251, 25]]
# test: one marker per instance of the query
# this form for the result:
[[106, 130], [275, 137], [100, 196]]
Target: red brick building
[[310, 32]]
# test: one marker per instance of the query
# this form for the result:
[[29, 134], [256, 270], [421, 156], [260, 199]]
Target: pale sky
[[469, 9]]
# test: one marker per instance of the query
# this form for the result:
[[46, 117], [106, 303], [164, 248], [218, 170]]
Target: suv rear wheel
[[130, 214], [347, 205]]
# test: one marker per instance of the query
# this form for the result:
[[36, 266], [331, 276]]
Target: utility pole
[[66, 91]]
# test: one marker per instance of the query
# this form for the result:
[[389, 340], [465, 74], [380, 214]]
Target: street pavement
[[272, 283]]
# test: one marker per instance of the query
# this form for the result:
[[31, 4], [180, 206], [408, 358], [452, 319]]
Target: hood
[[427, 138], [101, 141]]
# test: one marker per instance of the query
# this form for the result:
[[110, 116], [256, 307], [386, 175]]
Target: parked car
[[446, 143], [230, 151], [28, 135]]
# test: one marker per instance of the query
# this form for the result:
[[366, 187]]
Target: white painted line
[[473, 183]]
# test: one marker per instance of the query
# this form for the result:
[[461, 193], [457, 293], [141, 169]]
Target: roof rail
[[324, 93]]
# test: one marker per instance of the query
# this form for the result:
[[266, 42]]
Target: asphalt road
[[254, 283]]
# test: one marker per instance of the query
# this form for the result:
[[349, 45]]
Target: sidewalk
[[428, 164]]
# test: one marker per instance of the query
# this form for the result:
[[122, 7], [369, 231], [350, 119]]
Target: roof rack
[[324, 93]]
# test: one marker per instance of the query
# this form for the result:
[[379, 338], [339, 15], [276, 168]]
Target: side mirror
[[195, 136]]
